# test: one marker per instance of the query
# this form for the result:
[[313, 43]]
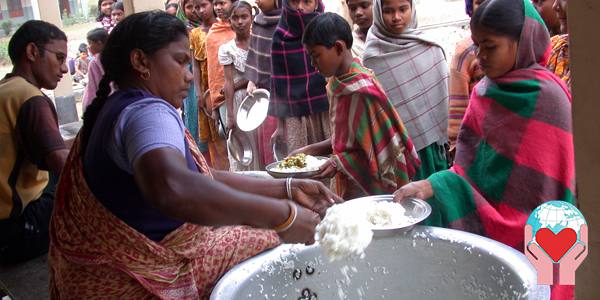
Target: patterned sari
[[370, 144], [514, 150], [412, 69], [95, 255]]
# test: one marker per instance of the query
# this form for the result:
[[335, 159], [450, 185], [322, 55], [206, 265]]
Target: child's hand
[[327, 170], [230, 122], [421, 189], [308, 150], [250, 88]]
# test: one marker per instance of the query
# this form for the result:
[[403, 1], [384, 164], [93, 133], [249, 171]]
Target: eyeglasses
[[61, 57]]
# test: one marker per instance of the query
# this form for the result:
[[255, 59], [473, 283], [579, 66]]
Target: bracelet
[[288, 187], [290, 220]]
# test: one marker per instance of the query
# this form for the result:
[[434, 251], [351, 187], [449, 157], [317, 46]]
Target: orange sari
[[219, 34], [93, 254]]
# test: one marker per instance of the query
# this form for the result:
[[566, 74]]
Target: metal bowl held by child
[[415, 211], [239, 147], [424, 263], [253, 110]]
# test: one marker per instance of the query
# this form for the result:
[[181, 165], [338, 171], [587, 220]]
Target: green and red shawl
[[371, 146], [514, 150]]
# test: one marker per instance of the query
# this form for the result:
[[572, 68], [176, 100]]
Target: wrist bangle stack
[[290, 220], [288, 188]]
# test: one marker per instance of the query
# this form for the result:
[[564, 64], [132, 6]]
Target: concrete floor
[[25, 281]]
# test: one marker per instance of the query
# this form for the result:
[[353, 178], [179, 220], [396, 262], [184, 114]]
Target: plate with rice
[[298, 166]]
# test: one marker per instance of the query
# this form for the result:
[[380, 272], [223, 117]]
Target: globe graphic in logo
[[555, 216]]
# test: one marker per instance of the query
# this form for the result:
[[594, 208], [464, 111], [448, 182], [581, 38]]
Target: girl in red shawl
[[515, 147]]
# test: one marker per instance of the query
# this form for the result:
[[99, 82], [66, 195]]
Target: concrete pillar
[[134, 6], [63, 94], [584, 20]]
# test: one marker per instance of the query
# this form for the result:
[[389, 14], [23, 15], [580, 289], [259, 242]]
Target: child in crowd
[[81, 64], [559, 57], [219, 34], [188, 14], [413, 71], [258, 67], [117, 13], [232, 56], [96, 38], [515, 147], [298, 96], [104, 17], [210, 144], [206, 15], [172, 8], [372, 153], [545, 9], [465, 73], [361, 13]]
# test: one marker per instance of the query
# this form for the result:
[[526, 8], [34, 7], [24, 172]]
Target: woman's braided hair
[[147, 31]]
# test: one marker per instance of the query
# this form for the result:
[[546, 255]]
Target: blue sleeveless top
[[114, 187]]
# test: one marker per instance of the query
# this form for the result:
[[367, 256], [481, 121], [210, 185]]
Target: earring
[[145, 75]]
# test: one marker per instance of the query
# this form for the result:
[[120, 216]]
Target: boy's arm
[[197, 71], [322, 148], [242, 84]]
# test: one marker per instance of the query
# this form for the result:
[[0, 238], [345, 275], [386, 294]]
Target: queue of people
[[147, 204]]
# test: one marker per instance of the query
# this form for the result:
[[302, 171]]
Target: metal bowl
[[238, 146], [271, 170], [416, 209], [253, 110]]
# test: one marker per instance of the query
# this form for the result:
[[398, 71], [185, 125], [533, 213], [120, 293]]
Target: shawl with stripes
[[297, 88], [413, 71], [370, 144]]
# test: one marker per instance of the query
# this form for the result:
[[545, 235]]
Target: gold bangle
[[290, 220]]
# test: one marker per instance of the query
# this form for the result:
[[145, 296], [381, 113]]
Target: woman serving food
[[137, 207]]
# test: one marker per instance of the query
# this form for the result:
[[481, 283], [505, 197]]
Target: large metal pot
[[425, 263]]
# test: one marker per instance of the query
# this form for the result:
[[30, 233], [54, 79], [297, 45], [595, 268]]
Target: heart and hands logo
[[556, 237]]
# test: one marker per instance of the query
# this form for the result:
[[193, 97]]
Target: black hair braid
[[93, 110]]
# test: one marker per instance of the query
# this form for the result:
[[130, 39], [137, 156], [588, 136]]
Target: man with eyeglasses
[[32, 151]]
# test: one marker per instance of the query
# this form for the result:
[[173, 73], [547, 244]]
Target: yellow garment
[[31, 181], [559, 58], [217, 146]]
